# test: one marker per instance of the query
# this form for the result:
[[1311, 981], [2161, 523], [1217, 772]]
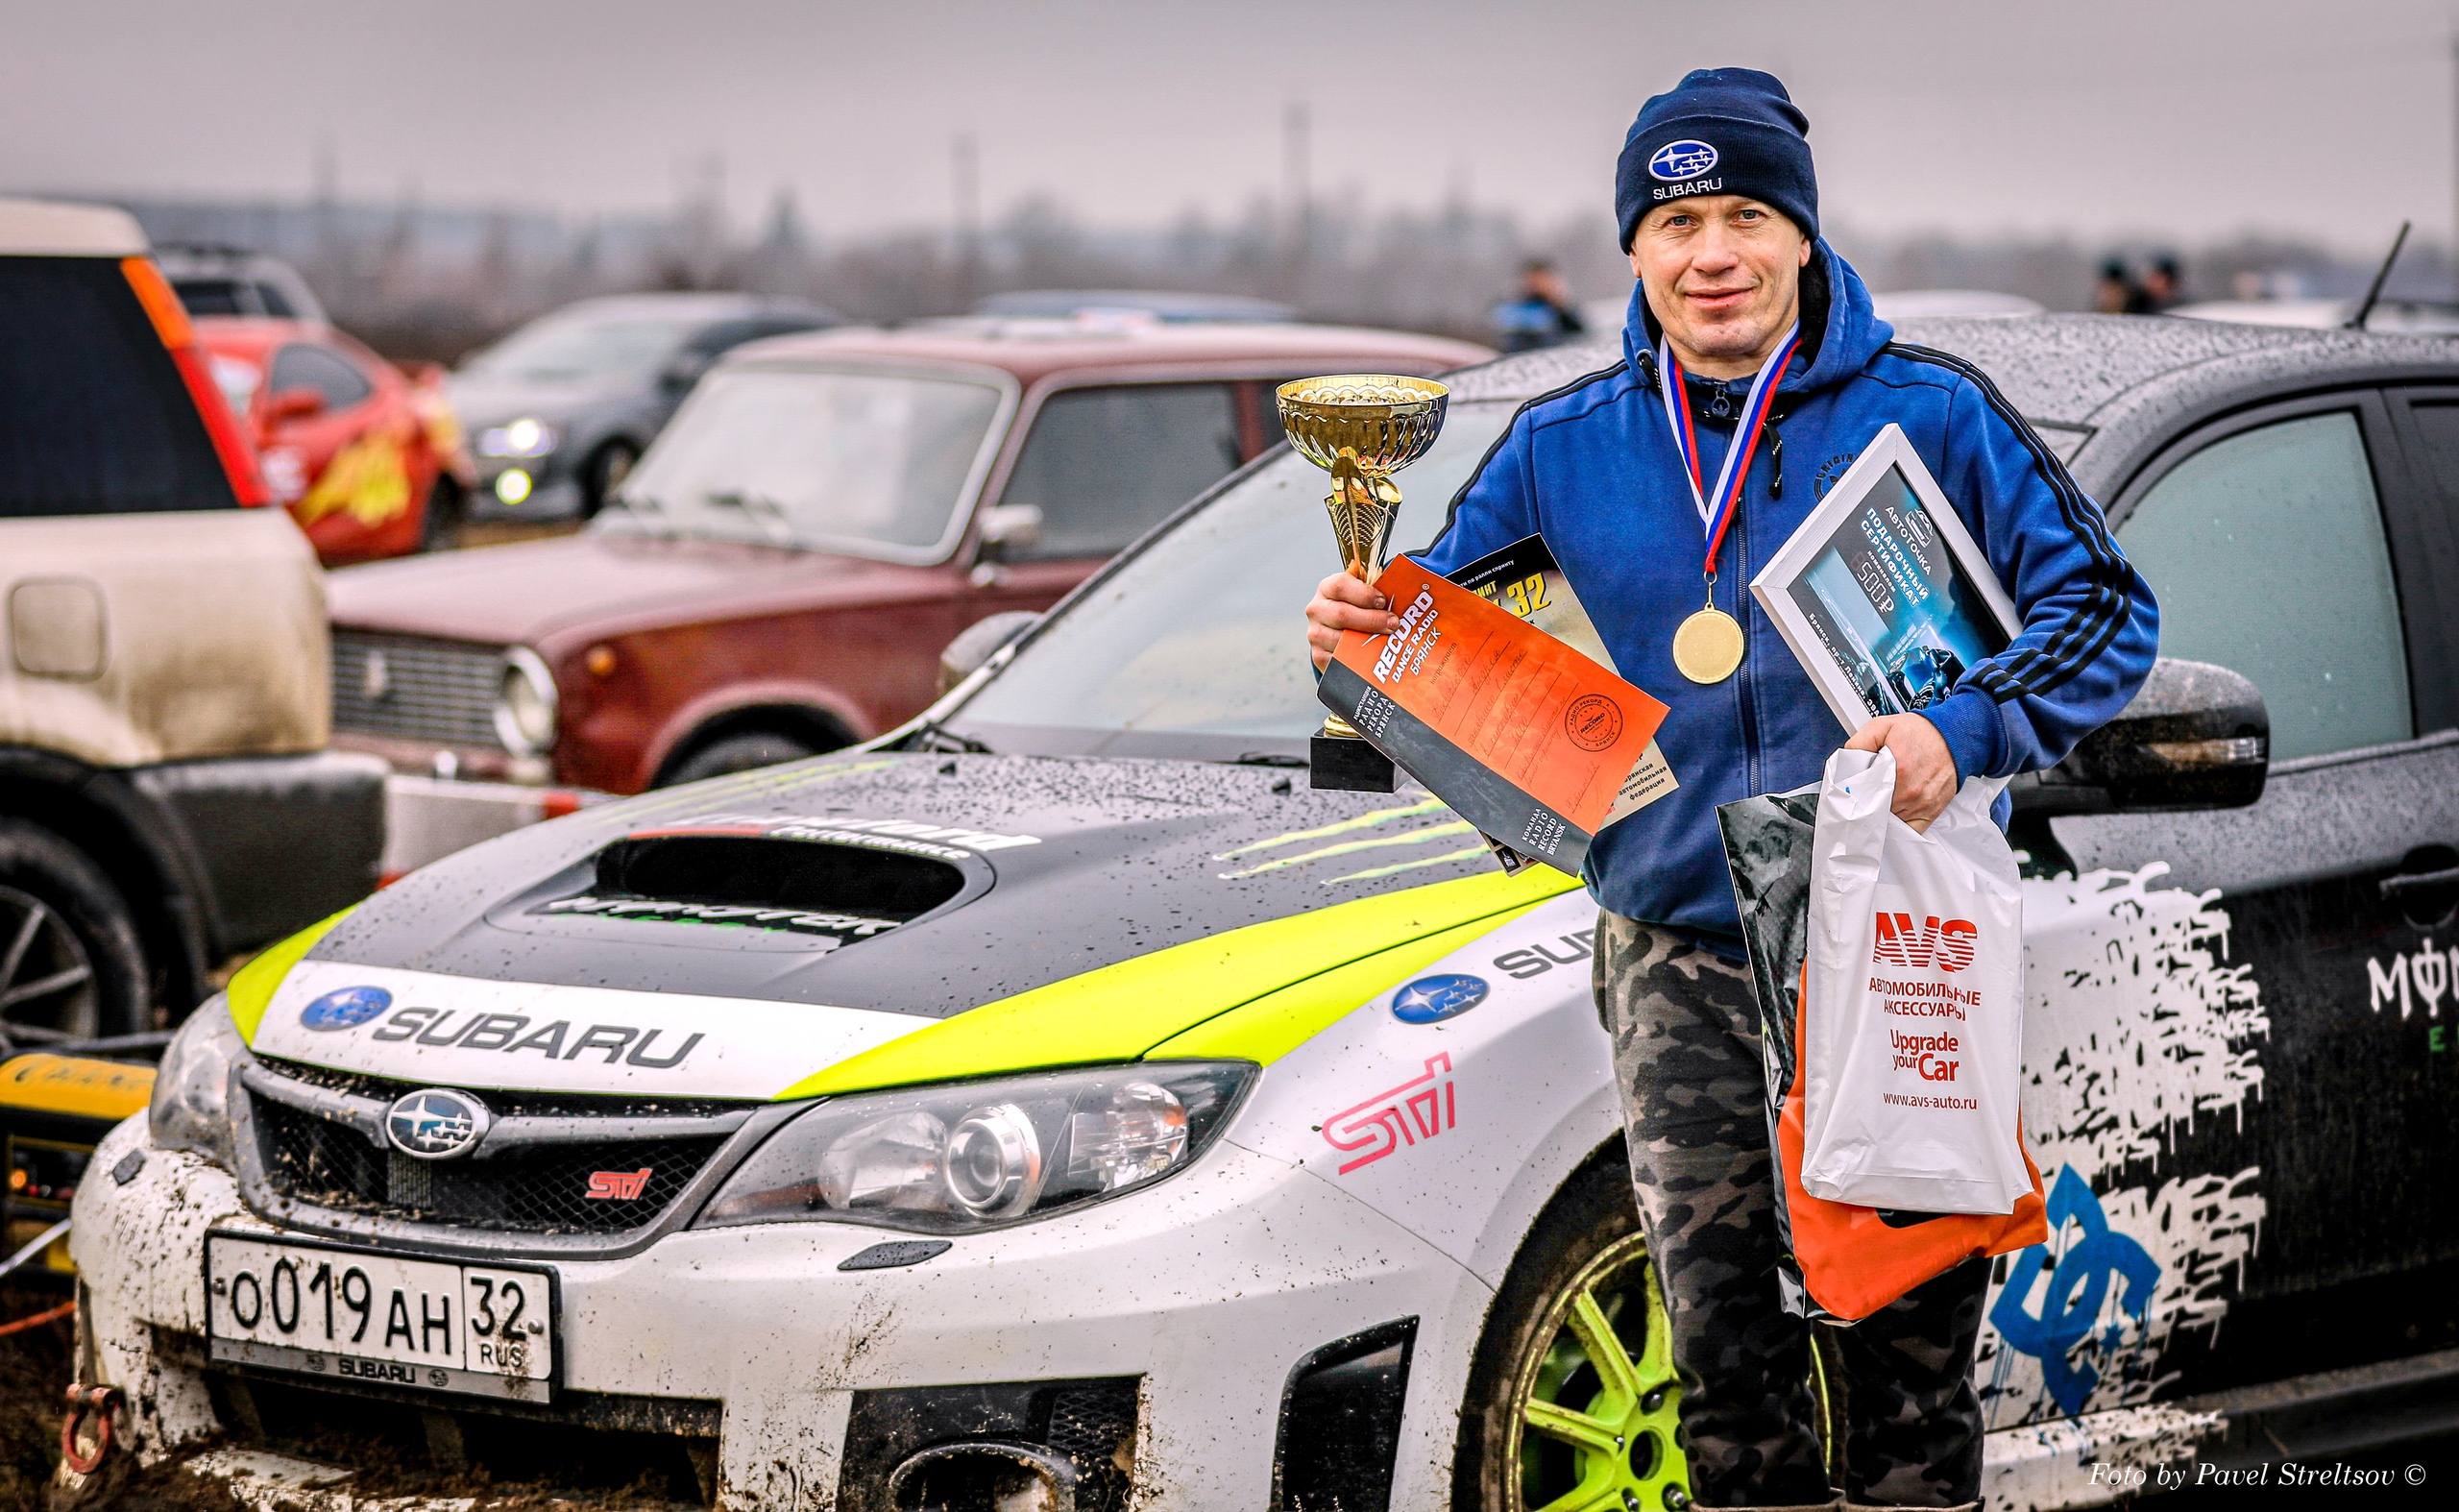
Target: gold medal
[[1707, 646]]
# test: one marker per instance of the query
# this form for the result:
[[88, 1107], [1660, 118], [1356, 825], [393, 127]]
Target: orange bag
[[1851, 1260], [1841, 1263]]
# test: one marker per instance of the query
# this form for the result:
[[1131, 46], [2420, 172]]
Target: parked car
[[166, 797], [825, 514], [366, 456], [559, 410], [942, 1122], [213, 280]]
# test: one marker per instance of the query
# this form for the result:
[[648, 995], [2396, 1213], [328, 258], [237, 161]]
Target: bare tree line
[[434, 281]]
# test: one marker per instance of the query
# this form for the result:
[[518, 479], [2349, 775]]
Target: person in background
[[2163, 284], [2115, 294], [2159, 289], [1542, 315]]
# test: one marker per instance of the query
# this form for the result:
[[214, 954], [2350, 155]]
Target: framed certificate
[[1882, 595]]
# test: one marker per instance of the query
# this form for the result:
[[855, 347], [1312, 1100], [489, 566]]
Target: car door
[[2240, 1071], [354, 476], [1101, 465]]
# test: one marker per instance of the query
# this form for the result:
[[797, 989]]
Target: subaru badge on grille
[[433, 1124]]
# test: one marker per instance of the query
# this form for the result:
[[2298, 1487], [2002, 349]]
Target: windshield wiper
[[651, 514], [941, 739], [762, 508]]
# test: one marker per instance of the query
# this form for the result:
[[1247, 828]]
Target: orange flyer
[[1534, 744]]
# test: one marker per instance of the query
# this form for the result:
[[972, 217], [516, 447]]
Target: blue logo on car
[[1682, 160], [347, 1009], [1430, 1000]]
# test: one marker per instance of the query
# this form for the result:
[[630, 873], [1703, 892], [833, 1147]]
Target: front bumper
[[1205, 1292]]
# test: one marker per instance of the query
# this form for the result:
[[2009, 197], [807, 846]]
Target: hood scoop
[[756, 891]]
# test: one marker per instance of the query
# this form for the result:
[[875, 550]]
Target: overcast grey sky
[[2176, 118]]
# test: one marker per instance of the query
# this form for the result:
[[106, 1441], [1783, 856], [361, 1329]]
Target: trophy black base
[[1348, 764]]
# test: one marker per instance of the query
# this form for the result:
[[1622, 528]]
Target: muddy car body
[[1059, 1094], [792, 594]]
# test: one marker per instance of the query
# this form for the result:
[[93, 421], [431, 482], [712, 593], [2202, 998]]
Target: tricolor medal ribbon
[[1708, 645]]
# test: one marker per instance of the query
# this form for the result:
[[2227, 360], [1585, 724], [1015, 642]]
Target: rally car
[[1059, 1104]]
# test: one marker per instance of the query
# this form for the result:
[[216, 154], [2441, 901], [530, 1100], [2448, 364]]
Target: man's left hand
[[1925, 769]]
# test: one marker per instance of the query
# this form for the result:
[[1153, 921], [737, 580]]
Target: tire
[[603, 472], [71, 965], [440, 522], [735, 753], [1535, 1388]]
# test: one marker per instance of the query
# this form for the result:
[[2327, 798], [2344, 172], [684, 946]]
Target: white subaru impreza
[[1056, 1105]]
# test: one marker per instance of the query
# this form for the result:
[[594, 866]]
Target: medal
[[1708, 645]]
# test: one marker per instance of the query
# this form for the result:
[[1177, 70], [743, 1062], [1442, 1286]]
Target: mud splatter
[[2135, 1028]]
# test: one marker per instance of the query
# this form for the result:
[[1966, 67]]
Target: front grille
[[442, 692], [505, 1103], [533, 1189]]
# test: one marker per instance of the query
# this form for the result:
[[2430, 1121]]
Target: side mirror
[[2196, 736], [1008, 528], [684, 369], [294, 403], [983, 640]]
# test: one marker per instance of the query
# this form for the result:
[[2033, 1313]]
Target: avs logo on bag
[[1946, 946]]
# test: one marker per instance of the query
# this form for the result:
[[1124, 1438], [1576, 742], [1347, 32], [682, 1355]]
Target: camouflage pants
[[1694, 1102]]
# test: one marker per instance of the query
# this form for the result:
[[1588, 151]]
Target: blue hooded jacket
[[1593, 467]]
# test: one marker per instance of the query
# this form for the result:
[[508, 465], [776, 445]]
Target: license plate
[[348, 1315]]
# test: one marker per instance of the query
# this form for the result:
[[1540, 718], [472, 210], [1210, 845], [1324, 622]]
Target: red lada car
[[826, 512], [366, 457]]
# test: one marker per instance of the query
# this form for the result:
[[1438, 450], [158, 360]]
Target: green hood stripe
[[1121, 1011], [1277, 1023], [251, 987]]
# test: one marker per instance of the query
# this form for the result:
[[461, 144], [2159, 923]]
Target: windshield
[[578, 349], [1195, 645], [874, 464]]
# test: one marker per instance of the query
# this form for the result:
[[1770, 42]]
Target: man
[[1542, 315], [1719, 213]]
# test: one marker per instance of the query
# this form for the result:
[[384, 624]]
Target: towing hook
[[104, 1403]]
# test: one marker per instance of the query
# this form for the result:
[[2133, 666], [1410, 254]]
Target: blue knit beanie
[[1720, 131]]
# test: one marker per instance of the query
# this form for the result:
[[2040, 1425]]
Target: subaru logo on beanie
[[1682, 160]]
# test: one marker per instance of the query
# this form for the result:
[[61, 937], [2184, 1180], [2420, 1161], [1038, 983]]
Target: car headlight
[[948, 1159], [191, 1109], [525, 704], [523, 437]]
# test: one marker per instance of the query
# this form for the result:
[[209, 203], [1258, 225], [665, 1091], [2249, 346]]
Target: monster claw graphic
[[2079, 1283]]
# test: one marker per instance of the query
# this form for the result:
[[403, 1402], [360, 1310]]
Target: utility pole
[[965, 188], [1296, 192]]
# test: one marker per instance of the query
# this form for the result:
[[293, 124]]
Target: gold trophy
[[1362, 427]]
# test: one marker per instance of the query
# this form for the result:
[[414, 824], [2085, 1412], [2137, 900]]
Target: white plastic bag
[[1912, 1001]]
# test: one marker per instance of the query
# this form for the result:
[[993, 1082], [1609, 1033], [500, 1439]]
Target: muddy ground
[[35, 1367]]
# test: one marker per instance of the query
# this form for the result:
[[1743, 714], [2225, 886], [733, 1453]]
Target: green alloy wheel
[[1572, 1401]]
